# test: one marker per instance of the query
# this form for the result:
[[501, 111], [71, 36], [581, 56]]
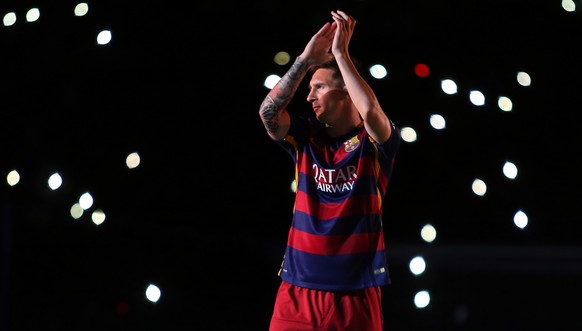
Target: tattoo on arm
[[281, 94], [269, 111]]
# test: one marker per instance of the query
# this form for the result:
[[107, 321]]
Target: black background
[[205, 215]]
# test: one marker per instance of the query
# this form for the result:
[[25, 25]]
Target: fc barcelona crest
[[352, 144]]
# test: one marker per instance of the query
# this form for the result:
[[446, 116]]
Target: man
[[334, 263]]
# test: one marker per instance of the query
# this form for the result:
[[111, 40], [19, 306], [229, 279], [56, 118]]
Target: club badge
[[352, 144]]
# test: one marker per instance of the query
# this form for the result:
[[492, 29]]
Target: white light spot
[[505, 104], [81, 9], [428, 233], [523, 79], [378, 71], [132, 160], [55, 181], [86, 201], [510, 170], [408, 134], [76, 211], [417, 265], [477, 98], [437, 121], [520, 219], [32, 15], [98, 217], [422, 299], [153, 293], [9, 19], [479, 187], [104, 37], [449, 86], [13, 178], [271, 81]]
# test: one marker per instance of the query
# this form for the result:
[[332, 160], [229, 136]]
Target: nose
[[310, 96]]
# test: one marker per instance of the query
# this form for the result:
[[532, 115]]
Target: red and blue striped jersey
[[336, 239]]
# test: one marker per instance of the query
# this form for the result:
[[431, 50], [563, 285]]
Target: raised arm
[[375, 120], [273, 110]]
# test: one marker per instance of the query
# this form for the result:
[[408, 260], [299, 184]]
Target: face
[[327, 96]]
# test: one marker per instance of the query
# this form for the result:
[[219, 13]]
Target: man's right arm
[[273, 110]]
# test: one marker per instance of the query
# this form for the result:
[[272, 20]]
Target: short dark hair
[[332, 64]]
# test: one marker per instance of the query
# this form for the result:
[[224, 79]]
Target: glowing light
[[437, 121], [32, 15], [421, 70], [13, 178], [378, 71], [510, 170], [282, 58], [477, 98], [271, 81], [417, 265], [86, 201], [55, 181], [104, 37], [76, 211], [505, 104], [523, 79], [449, 86], [479, 187], [81, 9], [422, 299], [428, 233], [408, 134], [153, 293], [132, 160], [569, 5], [520, 219], [9, 19], [98, 217]]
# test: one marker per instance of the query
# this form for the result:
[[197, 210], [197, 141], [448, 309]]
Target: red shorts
[[301, 309]]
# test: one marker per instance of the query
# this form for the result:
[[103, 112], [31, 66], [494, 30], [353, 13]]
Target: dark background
[[205, 215]]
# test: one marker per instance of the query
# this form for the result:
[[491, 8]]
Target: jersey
[[336, 240]]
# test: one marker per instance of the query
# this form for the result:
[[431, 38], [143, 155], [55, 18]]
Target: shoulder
[[393, 143]]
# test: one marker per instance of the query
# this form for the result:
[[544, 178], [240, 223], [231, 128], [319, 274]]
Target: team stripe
[[356, 205], [335, 245], [338, 226]]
